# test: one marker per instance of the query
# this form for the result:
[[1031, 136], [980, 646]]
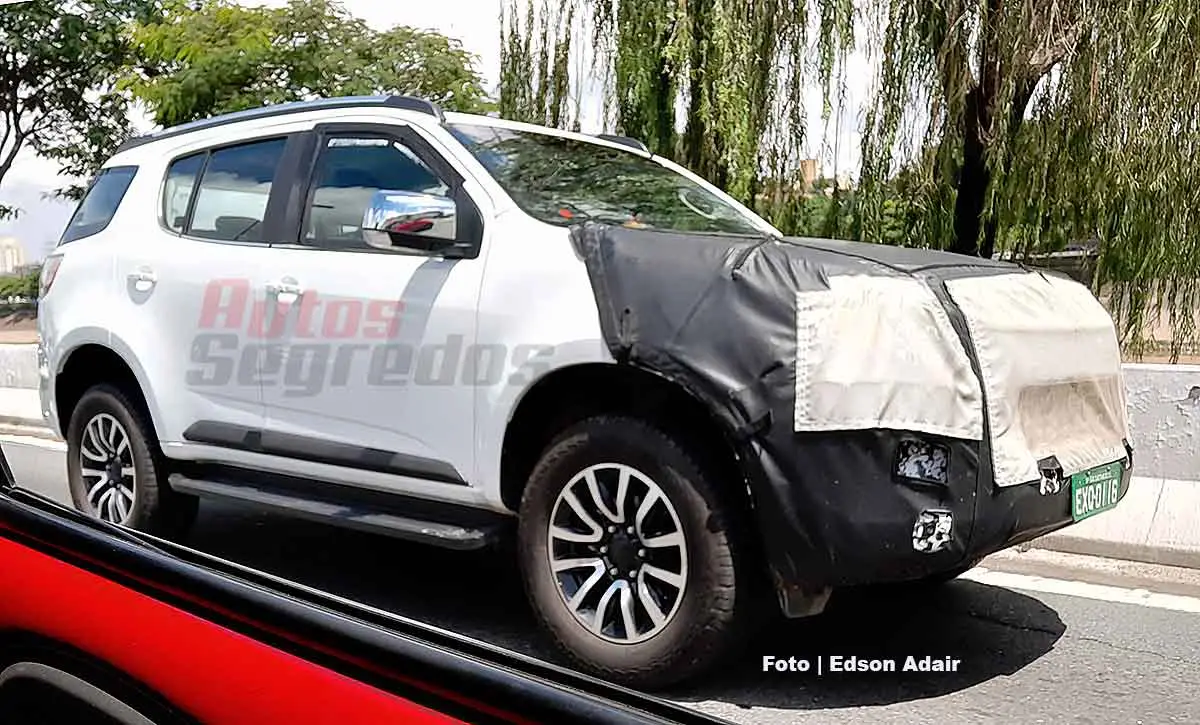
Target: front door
[[369, 379]]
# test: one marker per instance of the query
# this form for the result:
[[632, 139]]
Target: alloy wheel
[[618, 553], [106, 465]]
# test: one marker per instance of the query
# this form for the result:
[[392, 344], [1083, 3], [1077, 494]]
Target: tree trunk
[[975, 176], [662, 140], [973, 180]]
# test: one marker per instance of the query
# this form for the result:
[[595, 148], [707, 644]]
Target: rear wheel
[[629, 556], [115, 470]]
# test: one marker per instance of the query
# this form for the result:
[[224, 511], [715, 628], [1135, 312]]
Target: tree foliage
[[215, 56], [58, 67], [992, 126], [25, 285], [534, 69]]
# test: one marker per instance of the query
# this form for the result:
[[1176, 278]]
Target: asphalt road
[[1026, 657]]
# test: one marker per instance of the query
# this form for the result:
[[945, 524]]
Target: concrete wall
[[18, 366], [1164, 414]]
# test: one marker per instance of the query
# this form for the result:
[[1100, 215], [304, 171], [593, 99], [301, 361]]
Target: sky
[[473, 22]]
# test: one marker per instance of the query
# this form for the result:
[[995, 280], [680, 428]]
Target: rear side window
[[231, 199], [177, 190], [100, 203]]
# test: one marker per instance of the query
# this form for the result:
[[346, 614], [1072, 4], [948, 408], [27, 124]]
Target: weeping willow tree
[[535, 52], [1017, 127]]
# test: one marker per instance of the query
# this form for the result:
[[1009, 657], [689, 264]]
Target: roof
[[406, 103]]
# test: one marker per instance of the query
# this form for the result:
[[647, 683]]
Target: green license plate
[[1095, 490]]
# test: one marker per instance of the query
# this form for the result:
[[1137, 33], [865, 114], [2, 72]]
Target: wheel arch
[[92, 363], [576, 392]]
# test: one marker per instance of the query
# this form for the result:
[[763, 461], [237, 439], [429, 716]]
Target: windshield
[[566, 181]]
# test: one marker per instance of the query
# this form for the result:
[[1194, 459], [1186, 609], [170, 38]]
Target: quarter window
[[231, 201], [349, 172], [100, 204]]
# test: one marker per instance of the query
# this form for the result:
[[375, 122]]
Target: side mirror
[[411, 220]]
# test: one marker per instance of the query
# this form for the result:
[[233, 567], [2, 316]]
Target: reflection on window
[[177, 191], [351, 170], [565, 181], [232, 201]]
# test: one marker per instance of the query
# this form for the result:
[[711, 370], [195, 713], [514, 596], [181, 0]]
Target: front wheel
[[115, 471], [629, 557]]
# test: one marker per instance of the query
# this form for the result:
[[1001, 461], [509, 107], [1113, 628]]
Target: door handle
[[287, 290], [143, 279]]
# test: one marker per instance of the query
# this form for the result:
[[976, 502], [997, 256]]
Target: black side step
[[324, 503]]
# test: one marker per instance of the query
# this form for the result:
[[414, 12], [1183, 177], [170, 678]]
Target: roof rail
[[406, 103], [632, 143]]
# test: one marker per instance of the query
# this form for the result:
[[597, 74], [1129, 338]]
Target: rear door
[[194, 287]]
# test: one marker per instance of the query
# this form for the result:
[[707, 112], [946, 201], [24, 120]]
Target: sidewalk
[[21, 413], [1158, 522]]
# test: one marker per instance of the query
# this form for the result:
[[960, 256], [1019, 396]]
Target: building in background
[[12, 256]]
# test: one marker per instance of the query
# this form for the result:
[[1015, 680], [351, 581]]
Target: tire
[[709, 615], [154, 508]]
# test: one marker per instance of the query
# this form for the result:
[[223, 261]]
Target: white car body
[[527, 289]]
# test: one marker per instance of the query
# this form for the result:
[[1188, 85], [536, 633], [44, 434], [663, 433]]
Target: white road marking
[[34, 442], [1101, 592]]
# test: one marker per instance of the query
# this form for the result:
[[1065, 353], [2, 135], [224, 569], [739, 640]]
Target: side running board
[[327, 509]]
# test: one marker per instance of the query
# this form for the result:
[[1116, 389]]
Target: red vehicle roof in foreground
[[203, 640]]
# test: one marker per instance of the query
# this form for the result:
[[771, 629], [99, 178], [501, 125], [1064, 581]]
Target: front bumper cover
[[844, 519]]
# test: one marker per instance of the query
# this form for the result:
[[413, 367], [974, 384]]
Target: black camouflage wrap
[[716, 314]]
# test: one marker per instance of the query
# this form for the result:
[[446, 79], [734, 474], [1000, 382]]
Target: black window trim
[[470, 224], [162, 192], [134, 168], [280, 185]]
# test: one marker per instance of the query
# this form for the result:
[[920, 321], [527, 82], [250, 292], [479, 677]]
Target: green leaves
[[535, 51], [58, 65], [220, 57], [24, 285]]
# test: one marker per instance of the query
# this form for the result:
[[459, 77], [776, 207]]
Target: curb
[[1143, 553], [16, 426]]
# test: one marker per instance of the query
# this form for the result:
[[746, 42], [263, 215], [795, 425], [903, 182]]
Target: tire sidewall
[[105, 400], [709, 582]]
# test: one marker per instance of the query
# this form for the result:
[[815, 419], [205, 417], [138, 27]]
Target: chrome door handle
[[286, 290], [143, 280]]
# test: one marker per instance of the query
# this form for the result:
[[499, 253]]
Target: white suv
[[436, 326]]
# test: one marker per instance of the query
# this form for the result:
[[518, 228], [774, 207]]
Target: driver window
[[350, 170]]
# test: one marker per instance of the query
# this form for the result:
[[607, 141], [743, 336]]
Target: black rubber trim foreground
[[460, 677], [317, 450], [18, 646]]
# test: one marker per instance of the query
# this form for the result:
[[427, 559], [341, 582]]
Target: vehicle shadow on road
[[993, 631]]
